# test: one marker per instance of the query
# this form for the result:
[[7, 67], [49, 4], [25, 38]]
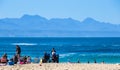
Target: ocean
[[70, 49]]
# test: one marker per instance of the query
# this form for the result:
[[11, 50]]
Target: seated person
[[28, 59], [21, 61], [46, 57], [25, 59], [4, 59], [15, 59]]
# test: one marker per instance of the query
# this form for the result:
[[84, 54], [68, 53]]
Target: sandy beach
[[62, 66]]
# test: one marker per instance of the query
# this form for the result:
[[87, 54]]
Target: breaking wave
[[23, 44]]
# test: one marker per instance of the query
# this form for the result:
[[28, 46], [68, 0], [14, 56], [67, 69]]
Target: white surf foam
[[66, 55], [24, 44]]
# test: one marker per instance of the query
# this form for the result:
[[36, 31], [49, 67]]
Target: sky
[[101, 10]]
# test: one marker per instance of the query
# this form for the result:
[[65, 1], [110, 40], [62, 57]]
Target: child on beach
[[28, 59]]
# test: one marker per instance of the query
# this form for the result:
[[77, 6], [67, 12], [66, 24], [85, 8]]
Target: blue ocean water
[[69, 49]]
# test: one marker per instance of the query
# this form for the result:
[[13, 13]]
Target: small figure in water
[[95, 61], [78, 61], [88, 62]]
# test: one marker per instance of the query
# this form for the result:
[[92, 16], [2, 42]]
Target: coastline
[[62, 66]]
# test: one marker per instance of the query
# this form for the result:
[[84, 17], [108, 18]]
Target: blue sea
[[70, 49]]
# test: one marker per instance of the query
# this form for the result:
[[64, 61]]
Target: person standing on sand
[[18, 51], [53, 55], [53, 51]]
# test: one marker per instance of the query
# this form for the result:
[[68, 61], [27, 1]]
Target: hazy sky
[[101, 10]]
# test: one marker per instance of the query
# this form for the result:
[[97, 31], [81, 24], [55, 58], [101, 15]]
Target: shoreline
[[62, 66]]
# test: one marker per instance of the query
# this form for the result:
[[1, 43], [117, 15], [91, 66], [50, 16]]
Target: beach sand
[[62, 66]]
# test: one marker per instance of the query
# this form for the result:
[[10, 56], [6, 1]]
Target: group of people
[[15, 59], [54, 57]]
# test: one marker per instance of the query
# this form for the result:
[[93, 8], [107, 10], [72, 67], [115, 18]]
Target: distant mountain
[[37, 26]]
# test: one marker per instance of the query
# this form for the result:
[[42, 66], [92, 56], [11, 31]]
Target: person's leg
[[18, 57]]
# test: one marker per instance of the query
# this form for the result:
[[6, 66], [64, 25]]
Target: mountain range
[[37, 26]]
